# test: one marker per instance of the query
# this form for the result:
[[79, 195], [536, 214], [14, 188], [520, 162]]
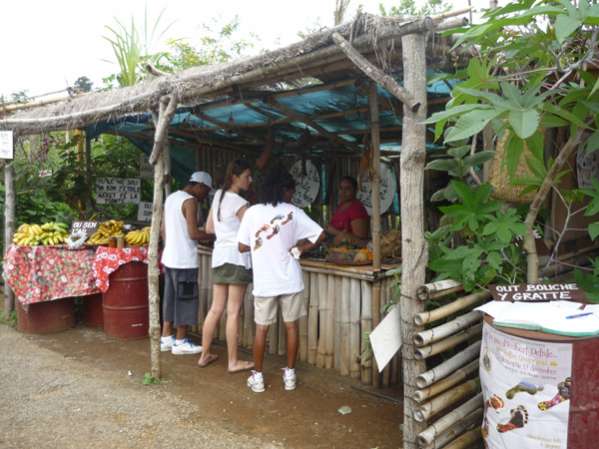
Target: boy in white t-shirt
[[276, 232]]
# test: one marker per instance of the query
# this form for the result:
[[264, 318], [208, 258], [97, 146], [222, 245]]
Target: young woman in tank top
[[231, 270]]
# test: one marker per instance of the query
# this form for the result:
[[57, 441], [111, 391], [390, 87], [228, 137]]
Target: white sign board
[[385, 339], [526, 387], [144, 211], [6, 145], [118, 190]]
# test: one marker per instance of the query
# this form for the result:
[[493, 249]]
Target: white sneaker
[[166, 343], [289, 379], [256, 382], [187, 347]]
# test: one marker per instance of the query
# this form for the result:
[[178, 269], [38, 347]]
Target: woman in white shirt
[[231, 270]]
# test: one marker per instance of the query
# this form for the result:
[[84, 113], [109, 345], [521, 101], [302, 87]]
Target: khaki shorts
[[293, 308]]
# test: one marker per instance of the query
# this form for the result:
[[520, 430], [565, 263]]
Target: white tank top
[[180, 251]]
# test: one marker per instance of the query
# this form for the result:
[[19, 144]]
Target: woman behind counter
[[350, 221]]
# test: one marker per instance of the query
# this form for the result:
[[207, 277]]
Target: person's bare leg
[[219, 297], [167, 328], [292, 343], [181, 332], [234, 302], [259, 345]]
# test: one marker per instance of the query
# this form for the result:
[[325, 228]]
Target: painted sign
[[387, 190], [307, 182], [89, 227], [526, 387], [537, 292], [144, 211], [6, 145], [118, 190]]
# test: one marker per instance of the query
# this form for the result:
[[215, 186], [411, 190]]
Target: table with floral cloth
[[45, 273], [108, 260]]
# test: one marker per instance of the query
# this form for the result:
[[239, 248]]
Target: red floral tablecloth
[[44, 273], [108, 260]]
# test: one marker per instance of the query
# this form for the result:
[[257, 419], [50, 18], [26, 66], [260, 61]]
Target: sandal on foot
[[209, 359]]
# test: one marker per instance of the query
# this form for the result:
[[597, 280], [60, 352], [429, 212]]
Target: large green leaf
[[592, 143], [593, 230], [471, 123], [565, 26], [524, 123], [442, 165], [451, 112]]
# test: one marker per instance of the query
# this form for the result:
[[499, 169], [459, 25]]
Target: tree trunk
[[9, 227], [414, 249]]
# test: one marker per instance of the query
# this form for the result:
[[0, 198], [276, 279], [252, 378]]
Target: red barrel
[[46, 317], [125, 303], [93, 314]]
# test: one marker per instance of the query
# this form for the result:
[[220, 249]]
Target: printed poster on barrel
[[526, 387]]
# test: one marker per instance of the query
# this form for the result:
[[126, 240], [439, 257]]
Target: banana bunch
[[138, 237], [106, 230], [52, 233]]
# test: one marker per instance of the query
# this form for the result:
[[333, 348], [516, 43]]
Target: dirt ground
[[80, 388]]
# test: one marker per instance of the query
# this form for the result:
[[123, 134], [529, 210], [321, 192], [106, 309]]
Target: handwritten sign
[[537, 292], [388, 187], [6, 145], [144, 212], [118, 190], [89, 227]]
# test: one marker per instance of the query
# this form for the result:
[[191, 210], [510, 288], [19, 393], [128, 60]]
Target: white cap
[[201, 177]]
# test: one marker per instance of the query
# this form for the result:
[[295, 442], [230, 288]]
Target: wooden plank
[[323, 304], [313, 319], [344, 365], [355, 300], [329, 345], [303, 322], [366, 355]]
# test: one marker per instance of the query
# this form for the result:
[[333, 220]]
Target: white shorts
[[293, 307]]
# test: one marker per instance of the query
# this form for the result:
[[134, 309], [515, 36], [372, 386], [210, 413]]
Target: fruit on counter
[[106, 230], [51, 233], [363, 255], [138, 237], [391, 244]]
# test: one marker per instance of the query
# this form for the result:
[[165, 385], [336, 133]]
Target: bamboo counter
[[334, 334]]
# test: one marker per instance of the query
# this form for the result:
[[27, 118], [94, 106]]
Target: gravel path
[[52, 401]]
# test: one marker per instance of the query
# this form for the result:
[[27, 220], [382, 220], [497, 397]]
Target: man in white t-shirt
[[276, 232], [180, 259]]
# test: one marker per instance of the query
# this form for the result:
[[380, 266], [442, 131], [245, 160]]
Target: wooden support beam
[[229, 128], [294, 115], [168, 107], [376, 74], [413, 245], [9, 226], [153, 271]]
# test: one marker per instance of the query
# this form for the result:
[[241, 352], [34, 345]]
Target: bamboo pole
[[466, 440], [446, 399], [337, 334], [438, 289], [9, 227], [449, 309], [322, 314], [455, 378], [303, 321], [437, 333], [449, 366], [345, 363], [451, 342], [430, 433], [354, 367], [313, 319], [414, 250], [153, 271], [366, 356], [329, 343], [386, 373], [474, 419]]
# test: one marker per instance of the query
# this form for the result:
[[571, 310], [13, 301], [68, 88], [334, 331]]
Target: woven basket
[[504, 186]]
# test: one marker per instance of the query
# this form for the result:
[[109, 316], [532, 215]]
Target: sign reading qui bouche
[[118, 190], [537, 292]]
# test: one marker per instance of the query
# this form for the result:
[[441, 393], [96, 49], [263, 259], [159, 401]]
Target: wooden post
[[9, 227], [375, 218], [162, 119], [167, 170], [413, 249]]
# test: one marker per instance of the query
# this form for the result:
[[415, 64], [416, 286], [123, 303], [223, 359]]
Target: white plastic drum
[[307, 183], [388, 190]]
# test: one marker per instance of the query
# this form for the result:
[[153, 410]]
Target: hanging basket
[[504, 186]]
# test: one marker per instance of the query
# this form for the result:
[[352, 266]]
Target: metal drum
[[46, 317]]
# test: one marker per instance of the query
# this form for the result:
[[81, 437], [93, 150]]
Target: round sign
[[307, 182], [388, 189]]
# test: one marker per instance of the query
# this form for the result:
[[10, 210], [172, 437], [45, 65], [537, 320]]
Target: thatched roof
[[315, 54]]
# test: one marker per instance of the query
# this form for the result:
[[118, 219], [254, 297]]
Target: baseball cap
[[201, 177]]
